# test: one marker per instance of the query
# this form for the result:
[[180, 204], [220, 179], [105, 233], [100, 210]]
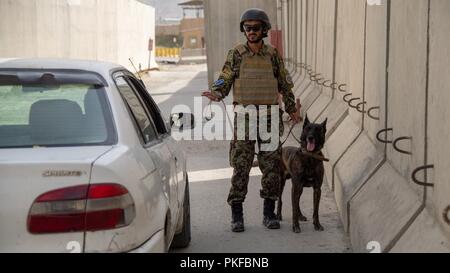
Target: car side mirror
[[182, 121]]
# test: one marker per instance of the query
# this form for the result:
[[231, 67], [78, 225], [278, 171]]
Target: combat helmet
[[256, 15]]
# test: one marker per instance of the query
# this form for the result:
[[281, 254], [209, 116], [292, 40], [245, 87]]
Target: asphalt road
[[209, 175]]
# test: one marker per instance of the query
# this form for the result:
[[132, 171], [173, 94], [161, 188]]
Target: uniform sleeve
[[221, 88], [285, 84]]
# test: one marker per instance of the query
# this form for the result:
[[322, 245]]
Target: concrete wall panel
[[286, 30], [365, 155], [325, 53], [303, 86], [424, 236], [298, 29], [309, 96], [327, 12], [439, 112], [353, 170], [350, 49], [336, 112], [381, 209], [394, 57], [375, 71], [293, 33], [318, 106], [407, 84], [304, 31], [111, 31], [310, 27], [302, 41], [13, 35], [339, 141]]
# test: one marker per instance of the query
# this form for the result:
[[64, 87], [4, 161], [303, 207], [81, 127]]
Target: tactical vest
[[256, 84]]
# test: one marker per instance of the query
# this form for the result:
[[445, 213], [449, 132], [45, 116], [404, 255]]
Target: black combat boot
[[270, 220], [237, 220]]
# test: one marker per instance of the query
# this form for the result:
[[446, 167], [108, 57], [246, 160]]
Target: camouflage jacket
[[221, 88]]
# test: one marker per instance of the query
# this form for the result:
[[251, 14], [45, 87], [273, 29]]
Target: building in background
[[193, 25], [114, 30], [182, 42], [169, 36]]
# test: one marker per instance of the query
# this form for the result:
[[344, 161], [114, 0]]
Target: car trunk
[[26, 174]]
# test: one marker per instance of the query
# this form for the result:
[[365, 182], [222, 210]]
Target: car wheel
[[184, 238]]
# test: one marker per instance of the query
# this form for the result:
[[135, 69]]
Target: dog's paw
[[318, 227], [296, 229], [303, 219]]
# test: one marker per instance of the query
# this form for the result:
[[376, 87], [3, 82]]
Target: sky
[[168, 9]]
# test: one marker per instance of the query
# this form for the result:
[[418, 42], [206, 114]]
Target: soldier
[[258, 74]]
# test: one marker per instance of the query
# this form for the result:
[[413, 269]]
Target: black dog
[[304, 166]]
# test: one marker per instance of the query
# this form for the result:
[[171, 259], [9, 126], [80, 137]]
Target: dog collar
[[314, 155]]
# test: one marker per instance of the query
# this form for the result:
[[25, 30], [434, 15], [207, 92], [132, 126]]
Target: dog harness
[[256, 84]]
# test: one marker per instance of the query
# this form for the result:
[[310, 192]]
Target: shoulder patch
[[219, 83], [241, 49], [271, 50]]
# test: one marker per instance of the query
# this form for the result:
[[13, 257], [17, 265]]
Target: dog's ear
[[324, 124], [307, 122]]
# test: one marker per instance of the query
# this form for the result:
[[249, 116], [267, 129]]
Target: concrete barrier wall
[[310, 91], [303, 16], [292, 35], [297, 32], [434, 218], [438, 111], [325, 51], [300, 44], [391, 62], [111, 31], [310, 40], [285, 26]]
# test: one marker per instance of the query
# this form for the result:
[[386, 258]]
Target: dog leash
[[290, 134], [313, 155], [210, 116]]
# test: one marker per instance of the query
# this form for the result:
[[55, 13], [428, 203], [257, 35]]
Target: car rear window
[[51, 109]]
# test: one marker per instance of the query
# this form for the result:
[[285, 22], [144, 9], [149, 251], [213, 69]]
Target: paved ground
[[210, 173]]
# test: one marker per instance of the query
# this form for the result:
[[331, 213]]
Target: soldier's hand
[[295, 117], [210, 96]]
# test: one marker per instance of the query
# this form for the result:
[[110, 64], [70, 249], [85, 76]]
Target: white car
[[87, 163]]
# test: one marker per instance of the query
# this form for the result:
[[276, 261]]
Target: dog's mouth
[[310, 145]]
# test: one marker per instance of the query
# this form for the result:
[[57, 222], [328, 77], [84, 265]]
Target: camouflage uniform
[[242, 151]]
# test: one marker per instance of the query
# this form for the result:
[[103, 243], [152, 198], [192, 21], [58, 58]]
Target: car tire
[[183, 239]]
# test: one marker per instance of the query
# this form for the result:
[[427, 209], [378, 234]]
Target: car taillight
[[82, 208]]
